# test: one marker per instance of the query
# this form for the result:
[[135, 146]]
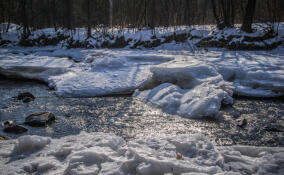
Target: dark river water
[[130, 118]]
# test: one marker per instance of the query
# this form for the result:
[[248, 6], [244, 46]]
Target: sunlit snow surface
[[191, 84], [100, 153]]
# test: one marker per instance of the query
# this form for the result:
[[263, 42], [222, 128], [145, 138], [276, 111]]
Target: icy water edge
[[132, 119]]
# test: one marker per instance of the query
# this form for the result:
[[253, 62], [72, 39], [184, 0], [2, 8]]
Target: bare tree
[[89, 30], [110, 13], [249, 14], [224, 13]]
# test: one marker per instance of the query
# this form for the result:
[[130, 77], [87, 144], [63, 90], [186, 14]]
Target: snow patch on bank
[[100, 153]]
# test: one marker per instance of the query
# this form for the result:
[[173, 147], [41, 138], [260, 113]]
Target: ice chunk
[[29, 144], [33, 67], [191, 91], [98, 83], [88, 161], [74, 54], [195, 103], [109, 62], [40, 166]]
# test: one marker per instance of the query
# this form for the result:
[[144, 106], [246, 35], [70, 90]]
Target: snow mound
[[186, 76], [74, 54], [28, 144], [109, 62], [101, 153], [191, 91]]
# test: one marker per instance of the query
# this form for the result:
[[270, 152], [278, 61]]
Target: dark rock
[[281, 142], [236, 114], [27, 99], [5, 107], [241, 123], [40, 119], [11, 127], [4, 137], [273, 129], [23, 95], [68, 115]]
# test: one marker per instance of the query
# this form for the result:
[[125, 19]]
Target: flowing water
[[130, 118]]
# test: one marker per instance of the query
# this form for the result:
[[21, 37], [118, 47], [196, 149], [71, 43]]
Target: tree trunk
[[54, 14], [32, 14], [24, 19], [215, 11], [146, 14], [248, 18], [89, 33], [68, 13], [110, 12]]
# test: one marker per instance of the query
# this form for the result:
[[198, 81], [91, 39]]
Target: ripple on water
[[131, 118]]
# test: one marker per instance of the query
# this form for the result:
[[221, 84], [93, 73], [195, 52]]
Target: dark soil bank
[[257, 122]]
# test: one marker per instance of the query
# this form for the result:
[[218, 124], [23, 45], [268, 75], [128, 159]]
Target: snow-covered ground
[[170, 38], [191, 84], [107, 154], [176, 77]]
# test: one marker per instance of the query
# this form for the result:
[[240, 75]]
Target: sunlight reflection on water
[[131, 118]]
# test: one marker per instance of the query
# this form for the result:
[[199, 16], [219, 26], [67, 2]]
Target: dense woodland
[[35, 14]]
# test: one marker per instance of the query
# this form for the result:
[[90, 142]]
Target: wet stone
[[26, 97], [4, 137], [273, 129], [241, 123], [40, 119], [11, 127]]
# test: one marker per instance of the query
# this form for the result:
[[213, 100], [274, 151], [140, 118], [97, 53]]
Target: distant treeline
[[35, 14]]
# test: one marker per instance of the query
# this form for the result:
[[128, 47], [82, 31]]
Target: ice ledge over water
[[190, 84], [100, 153], [191, 91]]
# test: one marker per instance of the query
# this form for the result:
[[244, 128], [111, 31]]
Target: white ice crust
[[107, 154], [192, 91], [190, 84]]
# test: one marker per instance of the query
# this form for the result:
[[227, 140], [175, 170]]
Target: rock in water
[[241, 123], [11, 127], [26, 97], [4, 137], [40, 119]]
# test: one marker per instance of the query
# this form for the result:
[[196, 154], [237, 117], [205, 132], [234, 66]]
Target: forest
[[37, 14]]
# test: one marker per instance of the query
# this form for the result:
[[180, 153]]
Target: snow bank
[[100, 153]]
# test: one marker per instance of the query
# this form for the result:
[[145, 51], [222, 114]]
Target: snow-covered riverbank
[[100, 153]]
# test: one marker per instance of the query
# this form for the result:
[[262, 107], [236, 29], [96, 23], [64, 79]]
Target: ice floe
[[192, 91]]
